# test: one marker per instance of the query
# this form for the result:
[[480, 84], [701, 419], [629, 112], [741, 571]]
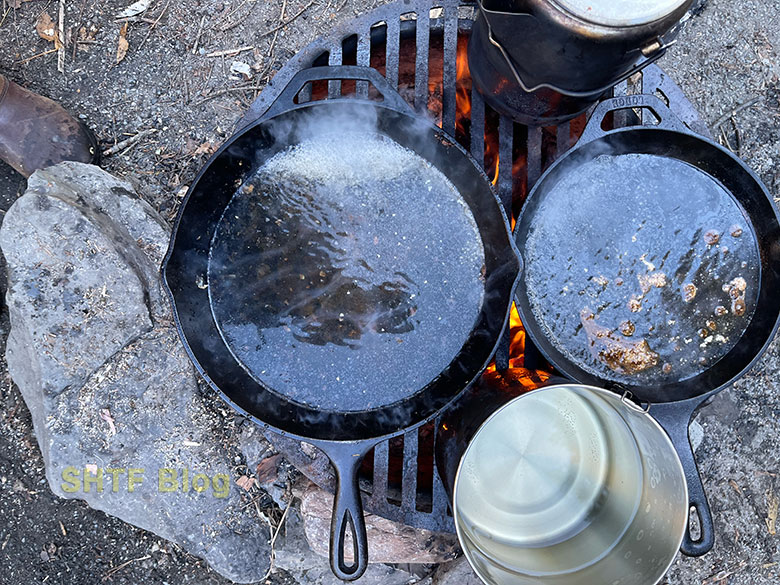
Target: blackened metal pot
[[546, 61]]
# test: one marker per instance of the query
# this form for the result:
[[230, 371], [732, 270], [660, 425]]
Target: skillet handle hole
[[694, 524]]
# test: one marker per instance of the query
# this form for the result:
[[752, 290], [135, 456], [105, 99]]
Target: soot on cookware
[[641, 269], [346, 273]]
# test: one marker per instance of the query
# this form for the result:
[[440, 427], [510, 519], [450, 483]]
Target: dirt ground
[[176, 80]]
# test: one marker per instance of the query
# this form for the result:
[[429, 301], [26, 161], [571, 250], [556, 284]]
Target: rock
[[457, 572], [112, 394], [388, 542]]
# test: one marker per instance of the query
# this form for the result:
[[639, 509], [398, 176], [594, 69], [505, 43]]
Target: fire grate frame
[[352, 43]]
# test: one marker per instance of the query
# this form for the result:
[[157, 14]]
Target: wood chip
[[105, 414], [245, 482], [123, 45], [266, 469], [771, 517], [735, 487]]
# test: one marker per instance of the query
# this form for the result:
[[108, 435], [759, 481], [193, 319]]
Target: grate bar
[[506, 132], [379, 481], [409, 485], [563, 139], [477, 126], [392, 52], [334, 85], [534, 160], [439, 500], [364, 60], [449, 102], [421, 61]]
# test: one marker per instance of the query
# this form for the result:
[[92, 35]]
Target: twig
[[223, 92], [123, 565], [23, 61], [721, 577], [197, 36], [4, 15], [120, 146], [281, 523], [725, 117], [284, 24], [230, 52], [154, 24], [61, 32]]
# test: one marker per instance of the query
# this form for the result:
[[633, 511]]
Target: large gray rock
[[108, 384]]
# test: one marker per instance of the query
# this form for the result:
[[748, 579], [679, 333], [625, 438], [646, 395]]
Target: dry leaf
[[134, 9], [45, 27], [205, 148], [245, 482], [121, 49]]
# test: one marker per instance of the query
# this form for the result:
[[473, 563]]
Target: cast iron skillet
[[344, 435], [674, 393]]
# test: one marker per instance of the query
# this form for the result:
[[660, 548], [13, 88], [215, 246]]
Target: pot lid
[[620, 12]]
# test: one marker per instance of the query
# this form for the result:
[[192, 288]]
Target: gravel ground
[[726, 57]]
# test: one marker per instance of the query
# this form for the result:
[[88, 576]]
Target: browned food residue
[[635, 304], [736, 289], [711, 325], [738, 307], [648, 281], [720, 310], [736, 230], [600, 280], [667, 369], [619, 354], [703, 332], [689, 291], [711, 237], [627, 328]]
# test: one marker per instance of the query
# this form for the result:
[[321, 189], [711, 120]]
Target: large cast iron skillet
[[674, 400], [343, 435]]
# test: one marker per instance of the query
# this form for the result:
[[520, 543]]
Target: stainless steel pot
[[570, 484]]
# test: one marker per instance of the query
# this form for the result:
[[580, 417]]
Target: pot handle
[[674, 418], [346, 458], [286, 99], [668, 120]]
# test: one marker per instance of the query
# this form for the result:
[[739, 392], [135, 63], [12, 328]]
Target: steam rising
[[346, 271]]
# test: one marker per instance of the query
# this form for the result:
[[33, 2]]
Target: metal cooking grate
[[415, 45]]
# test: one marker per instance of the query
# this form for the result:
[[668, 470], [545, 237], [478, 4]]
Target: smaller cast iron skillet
[[652, 265], [210, 302]]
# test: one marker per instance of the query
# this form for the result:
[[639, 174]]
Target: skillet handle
[[286, 99], [668, 120], [347, 508], [675, 418]]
